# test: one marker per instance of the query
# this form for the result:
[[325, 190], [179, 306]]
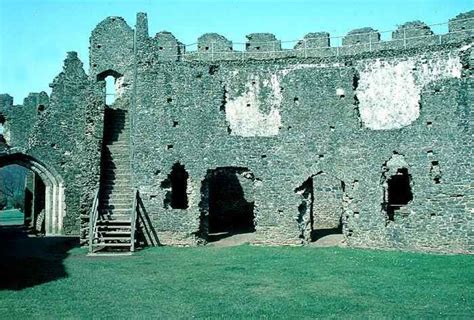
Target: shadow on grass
[[27, 261]]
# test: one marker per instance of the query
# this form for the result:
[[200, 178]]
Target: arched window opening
[[398, 192], [111, 79]]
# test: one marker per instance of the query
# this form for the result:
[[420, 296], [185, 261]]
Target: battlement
[[114, 39]]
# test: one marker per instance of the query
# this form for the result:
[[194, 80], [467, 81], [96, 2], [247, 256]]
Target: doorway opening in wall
[[229, 211], [32, 196], [320, 208], [399, 192], [179, 182]]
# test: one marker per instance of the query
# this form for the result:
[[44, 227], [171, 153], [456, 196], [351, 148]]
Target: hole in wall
[[429, 124], [169, 100], [263, 156], [398, 192], [257, 48], [160, 48], [99, 46], [175, 124], [213, 69], [169, 147]]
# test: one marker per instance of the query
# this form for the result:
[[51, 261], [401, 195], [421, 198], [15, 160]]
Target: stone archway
[[55, 208]]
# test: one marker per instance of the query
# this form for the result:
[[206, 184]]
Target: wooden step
[[112, 244], [104, 228]]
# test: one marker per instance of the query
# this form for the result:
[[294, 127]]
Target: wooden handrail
[[134, 220], [94, 213]]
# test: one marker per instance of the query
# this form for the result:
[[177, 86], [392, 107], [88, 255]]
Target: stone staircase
[[113, 228]]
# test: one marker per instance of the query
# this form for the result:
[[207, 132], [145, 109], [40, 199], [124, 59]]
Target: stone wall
[[336, 117]]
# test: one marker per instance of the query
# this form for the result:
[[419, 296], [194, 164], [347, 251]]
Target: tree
[[12, 186]]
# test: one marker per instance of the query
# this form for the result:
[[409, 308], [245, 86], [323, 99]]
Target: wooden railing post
[[93, 219]]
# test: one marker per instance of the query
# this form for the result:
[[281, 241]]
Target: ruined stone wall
[[62, 132], [345, 118]]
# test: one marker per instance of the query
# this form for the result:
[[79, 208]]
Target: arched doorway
[[52, 192]]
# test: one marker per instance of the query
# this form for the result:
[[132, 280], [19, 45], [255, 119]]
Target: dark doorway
[[398, 192], [229, 211], [179, 181]]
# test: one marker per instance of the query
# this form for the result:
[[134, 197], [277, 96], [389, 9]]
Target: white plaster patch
[[389, 92], [244, 113]]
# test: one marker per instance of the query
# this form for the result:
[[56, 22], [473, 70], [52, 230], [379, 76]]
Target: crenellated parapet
[[314, 40], [365, 35], [112, 43], [262, 42], [167, 47]]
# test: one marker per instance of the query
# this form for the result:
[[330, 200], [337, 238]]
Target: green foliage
[[252, 282]]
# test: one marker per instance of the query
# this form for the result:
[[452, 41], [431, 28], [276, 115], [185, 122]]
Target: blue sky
[[36, 34]]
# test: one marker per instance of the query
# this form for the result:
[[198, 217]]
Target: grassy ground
[[242, 282], [11, 217]]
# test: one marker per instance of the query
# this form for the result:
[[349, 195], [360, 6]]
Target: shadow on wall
[[29, 261]]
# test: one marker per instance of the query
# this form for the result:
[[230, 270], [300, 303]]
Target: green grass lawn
[[251, 282], [11, 217]]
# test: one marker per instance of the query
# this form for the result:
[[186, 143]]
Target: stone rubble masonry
[[336, 116]]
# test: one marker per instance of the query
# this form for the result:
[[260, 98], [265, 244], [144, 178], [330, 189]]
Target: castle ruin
[[371, 139]]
